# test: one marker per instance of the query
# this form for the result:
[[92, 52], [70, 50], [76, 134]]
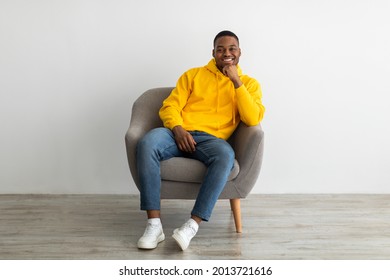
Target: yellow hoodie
[[205, 100]]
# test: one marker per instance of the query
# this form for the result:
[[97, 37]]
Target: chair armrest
[[133, 135], [144, 117], [248, 144], [141, 122]]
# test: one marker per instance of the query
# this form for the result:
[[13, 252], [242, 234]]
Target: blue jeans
[[159, 144]]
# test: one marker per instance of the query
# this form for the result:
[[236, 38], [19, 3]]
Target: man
[[199, 116]]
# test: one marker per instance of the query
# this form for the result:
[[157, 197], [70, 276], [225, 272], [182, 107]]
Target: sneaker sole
[[144, 245], [179, 240]]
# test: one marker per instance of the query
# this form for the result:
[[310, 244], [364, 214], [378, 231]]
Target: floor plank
[[275, 227]]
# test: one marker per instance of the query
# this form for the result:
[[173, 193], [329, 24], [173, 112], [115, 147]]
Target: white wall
[[70, 70]]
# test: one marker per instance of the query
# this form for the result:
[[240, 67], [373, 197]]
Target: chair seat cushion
[[182, 169]]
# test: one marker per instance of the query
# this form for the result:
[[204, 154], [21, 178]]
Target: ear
[[213, 53]]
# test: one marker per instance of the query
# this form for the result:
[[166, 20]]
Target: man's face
[[226, 52]]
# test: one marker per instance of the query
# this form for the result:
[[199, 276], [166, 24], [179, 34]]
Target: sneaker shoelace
[[188, 229], [151, 229]]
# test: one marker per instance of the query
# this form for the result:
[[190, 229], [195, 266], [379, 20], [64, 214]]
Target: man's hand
[[184, 139], [231, 72]]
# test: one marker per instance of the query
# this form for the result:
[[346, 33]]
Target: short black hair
[[226, 33]]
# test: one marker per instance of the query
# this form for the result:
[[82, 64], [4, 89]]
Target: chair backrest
[[146, 107]]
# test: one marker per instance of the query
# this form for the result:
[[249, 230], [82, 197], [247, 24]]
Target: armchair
[[181, 177]]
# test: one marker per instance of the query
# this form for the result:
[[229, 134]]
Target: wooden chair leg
[[236, 208]]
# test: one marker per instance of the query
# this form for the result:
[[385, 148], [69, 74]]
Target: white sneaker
[[185, 233], [152, 236]]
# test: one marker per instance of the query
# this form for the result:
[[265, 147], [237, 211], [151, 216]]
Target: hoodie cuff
[[172, 124], [241, 90]]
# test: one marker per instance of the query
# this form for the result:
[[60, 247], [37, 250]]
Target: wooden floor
[[275, 227]]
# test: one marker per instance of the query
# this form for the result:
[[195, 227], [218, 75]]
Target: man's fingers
[[187, 145], [224, 70], [192, 146], [184, 140]]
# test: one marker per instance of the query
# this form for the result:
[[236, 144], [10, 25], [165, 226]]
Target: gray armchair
[[181, 177]]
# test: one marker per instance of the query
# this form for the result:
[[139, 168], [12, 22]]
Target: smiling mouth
[[228, 60]]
